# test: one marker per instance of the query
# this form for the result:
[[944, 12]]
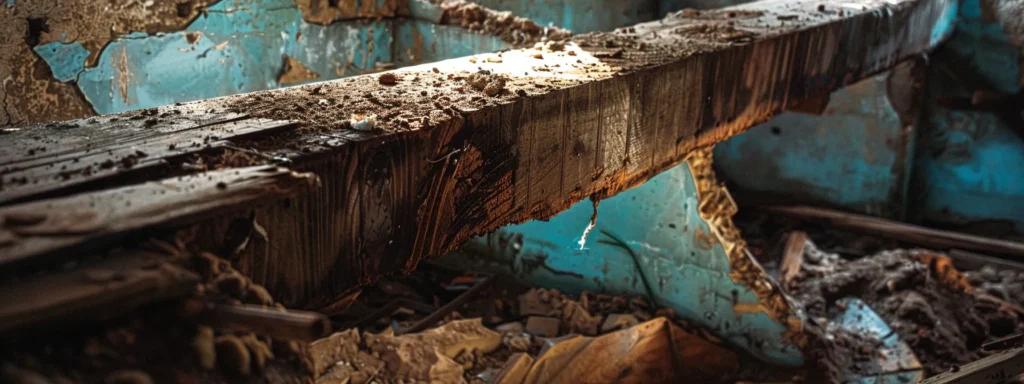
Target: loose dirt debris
[[155, 345], [510, 325], [518, 31], [943, 315]]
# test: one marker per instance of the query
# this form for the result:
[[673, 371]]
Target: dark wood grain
[[609, 110], [93, 292], [57, 229]]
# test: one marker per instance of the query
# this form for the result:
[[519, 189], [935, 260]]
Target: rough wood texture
[[1002, 367], [457, 152], [95, 292], [63, 228], [65, 157], [792, 257]]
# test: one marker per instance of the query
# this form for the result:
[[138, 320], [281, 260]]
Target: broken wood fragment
[[278, 323], [1002, 365], [123, 150], [63, 227], [792, 257], [91, 292], [926, 237], [439, 314]]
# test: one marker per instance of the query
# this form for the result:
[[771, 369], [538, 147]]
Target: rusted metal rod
[[433, 318], [277, 323], [932, 238]]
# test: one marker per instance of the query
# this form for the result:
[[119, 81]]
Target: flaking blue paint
[[237, 47], [966, 169], [659, 224], [423, 42], [66, 60], [845, 158], [944, 25], [895, 363]]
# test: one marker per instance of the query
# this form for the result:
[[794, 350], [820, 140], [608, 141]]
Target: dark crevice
[[36, 28]]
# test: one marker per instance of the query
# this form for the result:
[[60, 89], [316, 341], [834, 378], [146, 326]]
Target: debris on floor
[[943, 315], [877, 312], [514, 334], [228, 329]]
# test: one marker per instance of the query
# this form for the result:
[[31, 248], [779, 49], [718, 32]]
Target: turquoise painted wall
[[967, 173]]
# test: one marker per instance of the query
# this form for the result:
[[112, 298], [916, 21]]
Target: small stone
[[363, 122], [232, 284], [203, 347], [512, 327], [494, 87], [259, 351], [535, 302], [258, 295], [209, 265], [388, 79], [232, 355], [542, 326], [517, 342]]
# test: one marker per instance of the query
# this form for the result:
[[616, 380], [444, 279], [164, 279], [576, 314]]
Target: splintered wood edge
[[63, 223]]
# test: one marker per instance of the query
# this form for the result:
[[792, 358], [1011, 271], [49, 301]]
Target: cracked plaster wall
[[68, 59], [29, 91]]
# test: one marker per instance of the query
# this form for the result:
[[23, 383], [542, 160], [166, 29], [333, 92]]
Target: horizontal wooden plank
[[119, 150], [46, 230], [461, 147], [94, 292]]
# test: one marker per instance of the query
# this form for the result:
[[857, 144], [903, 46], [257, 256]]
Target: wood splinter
[[277, 323], [793, 257]]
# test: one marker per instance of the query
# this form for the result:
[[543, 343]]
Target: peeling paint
[[236, 47], [325, 12], [66, 60], [644, 241], [295, 72]]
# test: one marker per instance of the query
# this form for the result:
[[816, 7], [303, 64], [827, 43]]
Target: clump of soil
[[155, 344], [944, 323], [518, 31]]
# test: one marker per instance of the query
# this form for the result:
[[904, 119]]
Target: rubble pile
[[529, 336], [158, 345], [945, 316]]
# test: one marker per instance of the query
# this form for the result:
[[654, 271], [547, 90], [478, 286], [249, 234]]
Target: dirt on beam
[[416, 161]]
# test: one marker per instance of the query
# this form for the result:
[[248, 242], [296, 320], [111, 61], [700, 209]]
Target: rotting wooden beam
[[63, 228], [457, 152], [94, 292]]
